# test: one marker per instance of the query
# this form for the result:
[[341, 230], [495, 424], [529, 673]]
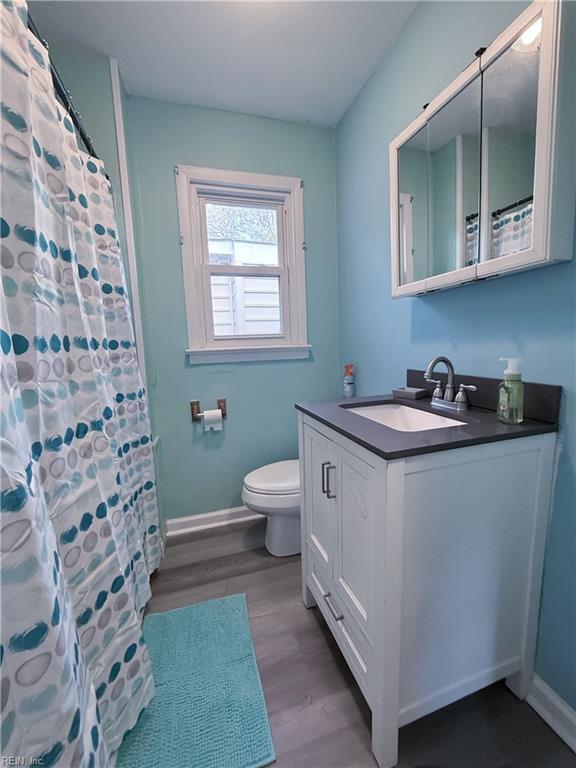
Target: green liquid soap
[[511, 394]]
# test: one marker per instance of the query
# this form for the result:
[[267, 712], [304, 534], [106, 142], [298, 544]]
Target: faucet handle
[[463, 389], [438, 393]]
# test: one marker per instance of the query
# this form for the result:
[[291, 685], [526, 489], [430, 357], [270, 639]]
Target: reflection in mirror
[[510, 94], [454, 182], [412, 214]]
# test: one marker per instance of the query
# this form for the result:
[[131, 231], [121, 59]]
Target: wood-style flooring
[[318, 716]]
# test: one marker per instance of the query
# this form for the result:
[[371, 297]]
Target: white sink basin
[[404, 419]]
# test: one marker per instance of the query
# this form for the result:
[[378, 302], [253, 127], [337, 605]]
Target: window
[[243, 259]]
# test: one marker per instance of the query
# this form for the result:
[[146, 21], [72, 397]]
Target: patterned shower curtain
[[512, 231], [79, 520]]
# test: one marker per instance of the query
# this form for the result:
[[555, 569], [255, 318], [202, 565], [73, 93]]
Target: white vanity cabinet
[[427, 569]]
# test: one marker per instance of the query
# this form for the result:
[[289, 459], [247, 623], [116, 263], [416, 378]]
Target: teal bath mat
[[209, 709]]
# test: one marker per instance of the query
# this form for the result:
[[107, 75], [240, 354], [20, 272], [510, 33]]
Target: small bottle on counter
[[348, 384], [511, 393]]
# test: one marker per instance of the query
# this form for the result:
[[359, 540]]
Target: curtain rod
[[524, 200], [64, 94], [500, 211]]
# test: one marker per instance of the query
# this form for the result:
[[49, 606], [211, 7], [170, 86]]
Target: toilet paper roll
[[213, 420]]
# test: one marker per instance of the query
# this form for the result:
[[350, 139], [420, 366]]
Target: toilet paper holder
[[197, 413]]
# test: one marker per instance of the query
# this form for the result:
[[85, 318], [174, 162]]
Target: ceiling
[[301, 61]]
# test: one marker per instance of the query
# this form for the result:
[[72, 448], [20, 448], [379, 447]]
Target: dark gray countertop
[[482, 426]]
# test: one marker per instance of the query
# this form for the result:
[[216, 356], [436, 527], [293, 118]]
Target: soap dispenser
[[511, 393]]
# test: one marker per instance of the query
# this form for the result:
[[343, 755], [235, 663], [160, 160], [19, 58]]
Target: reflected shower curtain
[[512, 231], [79, 520]]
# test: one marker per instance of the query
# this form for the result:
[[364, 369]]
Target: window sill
[[247, 354]]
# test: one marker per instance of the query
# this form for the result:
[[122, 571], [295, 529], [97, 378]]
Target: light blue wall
[[196, 473], [510, 166], [87, 77], [200, 473], [470, 173], [530, 315], [413, 180], [442, 209]]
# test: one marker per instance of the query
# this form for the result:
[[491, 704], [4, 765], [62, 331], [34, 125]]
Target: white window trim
[[193, 182]]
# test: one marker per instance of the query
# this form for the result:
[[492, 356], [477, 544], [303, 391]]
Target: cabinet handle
[[324, 488], [337, 616], [329, 493]]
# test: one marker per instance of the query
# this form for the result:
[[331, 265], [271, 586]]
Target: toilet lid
[[282, 477]]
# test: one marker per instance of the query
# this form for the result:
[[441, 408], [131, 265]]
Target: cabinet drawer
[[351, 642]]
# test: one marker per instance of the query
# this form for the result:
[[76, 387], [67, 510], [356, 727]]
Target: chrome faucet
[[446, 399], [438, 392]]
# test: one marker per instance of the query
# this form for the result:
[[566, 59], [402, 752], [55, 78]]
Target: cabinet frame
[[553, 173]]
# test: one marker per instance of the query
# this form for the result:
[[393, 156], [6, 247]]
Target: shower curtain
[[79, 520], [512, 232]]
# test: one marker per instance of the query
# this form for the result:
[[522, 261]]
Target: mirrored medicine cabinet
[[474, 176]]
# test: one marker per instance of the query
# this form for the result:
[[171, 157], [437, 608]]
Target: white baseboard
[[553, 710], [177, 526]]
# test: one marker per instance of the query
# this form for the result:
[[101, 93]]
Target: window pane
[[246, 306], [245, 235]]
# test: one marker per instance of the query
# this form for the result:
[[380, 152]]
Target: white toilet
[[274, 491]]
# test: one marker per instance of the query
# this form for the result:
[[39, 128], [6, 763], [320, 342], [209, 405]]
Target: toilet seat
[[272, 503], [280, 478]]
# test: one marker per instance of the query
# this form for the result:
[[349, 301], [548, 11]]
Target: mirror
[[454, 182], [510, 101], [439, 190], [413, 208], [481, 181]]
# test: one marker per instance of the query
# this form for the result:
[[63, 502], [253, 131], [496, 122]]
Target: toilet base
[[283, 535]]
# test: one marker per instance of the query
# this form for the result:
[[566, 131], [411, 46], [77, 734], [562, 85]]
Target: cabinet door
[[434, 191], [453, 155], [519, 84], [357, 506], [411, 212], [320, 498]]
